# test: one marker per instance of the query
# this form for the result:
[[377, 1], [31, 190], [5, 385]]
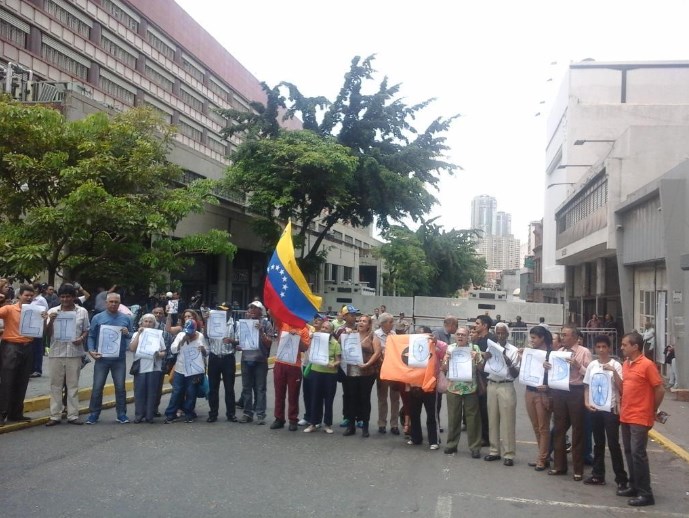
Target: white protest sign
[[319, 352], [558, 375], [248, 334], [31, 321], [419, 351], [149, 343], [532, 371], [193, 360], [216, 326], [288, 347], [600, 389], [65, 326], [460, 366], [109, 338], [351, 349], [496, 363]]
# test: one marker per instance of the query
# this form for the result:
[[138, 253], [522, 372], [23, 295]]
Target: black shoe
[[394, 430], [52, 422], [491, 458], [381, 429], [594, 480], [232, 419], [449, 451], [3, 419], [277, 424], [508, 462], [351, 430], [189, 419], [138, 420], [293, 427], [628, 491], [239, 404], [211, 419], [21, 419], [641, 501], [531, 464], [364, 430], [157, 414], [476, 454]]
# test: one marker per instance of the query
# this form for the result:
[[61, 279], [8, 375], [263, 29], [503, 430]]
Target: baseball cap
[[190, 327], [350, 309], [257, 303], [223, 306]]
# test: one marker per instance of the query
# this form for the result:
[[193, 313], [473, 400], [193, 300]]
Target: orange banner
[[396, 364]]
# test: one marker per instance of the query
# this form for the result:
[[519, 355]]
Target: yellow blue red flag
[[286, 292]]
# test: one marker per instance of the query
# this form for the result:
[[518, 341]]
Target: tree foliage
[[95, 198], [430, 261], [357, 158]]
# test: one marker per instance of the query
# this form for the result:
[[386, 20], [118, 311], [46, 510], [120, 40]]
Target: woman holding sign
[[325, 357], [149, 348], [361, 355]]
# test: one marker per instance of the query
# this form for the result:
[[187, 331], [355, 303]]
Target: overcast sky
[[491, 61]]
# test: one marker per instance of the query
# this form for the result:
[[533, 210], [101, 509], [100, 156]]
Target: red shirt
[[639, 380]]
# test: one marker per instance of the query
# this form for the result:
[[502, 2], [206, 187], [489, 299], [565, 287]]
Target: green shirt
[[334, 350], [463, 388]]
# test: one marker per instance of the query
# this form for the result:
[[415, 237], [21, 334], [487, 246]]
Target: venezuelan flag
[[286, 292]]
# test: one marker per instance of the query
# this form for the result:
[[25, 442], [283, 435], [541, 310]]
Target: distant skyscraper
[[483, 210], [503, 224]]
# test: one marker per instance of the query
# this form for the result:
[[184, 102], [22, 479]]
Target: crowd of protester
[[485, 407]]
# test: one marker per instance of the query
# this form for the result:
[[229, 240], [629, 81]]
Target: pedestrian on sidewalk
[[16, 360], [642, 394], [116, 366], [65, 356], [605, 423], [148, 372]]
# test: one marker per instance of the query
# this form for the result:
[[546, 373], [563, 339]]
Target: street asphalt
[[245, 470]]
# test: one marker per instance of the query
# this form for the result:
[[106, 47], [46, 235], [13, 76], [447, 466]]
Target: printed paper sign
[[288, 347], [216, 326], [149, 343], [558, 375], [65, 326], [319, 352], [351, 349], [31, 322], [109, 339], [532, 371], [248, 334], [460, 366]]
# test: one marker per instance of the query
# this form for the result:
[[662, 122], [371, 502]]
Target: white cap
[[169, 294], [258, 304]]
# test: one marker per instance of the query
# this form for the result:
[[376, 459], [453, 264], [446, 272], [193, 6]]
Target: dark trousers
[[183, 396], [225, 368], [323, 388], [307, 394], [483, 408], [438, 407], [254, 381], [16, 361], [607, 424], [417, 399], [568, 409], [145, 391], [357, 394], [287, 381], [635, 440], [38, 347]]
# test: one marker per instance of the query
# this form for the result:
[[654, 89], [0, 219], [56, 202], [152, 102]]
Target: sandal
[[556, 472]]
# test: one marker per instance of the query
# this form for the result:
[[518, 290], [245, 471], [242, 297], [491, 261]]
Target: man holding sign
[[16, 357], [67, 328], [107, 342], [287, 374]]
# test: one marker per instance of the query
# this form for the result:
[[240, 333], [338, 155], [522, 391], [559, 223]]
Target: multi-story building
[[615, 139], [92, 55], [483, 209], [503, 224]]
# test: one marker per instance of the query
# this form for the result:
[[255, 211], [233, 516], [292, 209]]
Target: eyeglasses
[[461, 335]]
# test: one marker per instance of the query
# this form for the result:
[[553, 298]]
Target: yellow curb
[[669, 445], [39, 403]]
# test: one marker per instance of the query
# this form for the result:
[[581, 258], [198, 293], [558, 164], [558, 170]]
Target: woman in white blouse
[[147, 369]]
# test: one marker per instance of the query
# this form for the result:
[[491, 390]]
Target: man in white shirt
[[649, 336], [385, 323], [597, 384], [502, 399]]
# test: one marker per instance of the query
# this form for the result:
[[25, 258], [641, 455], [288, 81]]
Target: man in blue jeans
[[108, 359]]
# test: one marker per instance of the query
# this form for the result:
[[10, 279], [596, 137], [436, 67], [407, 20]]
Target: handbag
[[443, 383], [135, 368]]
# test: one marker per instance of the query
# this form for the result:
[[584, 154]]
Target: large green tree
[[95, 198], [358, 159]]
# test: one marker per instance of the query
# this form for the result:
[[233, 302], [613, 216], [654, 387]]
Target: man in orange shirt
[[287, 376], [642, 394], [16, 358]]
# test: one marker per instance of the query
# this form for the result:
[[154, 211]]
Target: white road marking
[[443, 508], [554, 503]]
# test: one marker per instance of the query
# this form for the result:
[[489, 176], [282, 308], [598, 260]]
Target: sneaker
[[344, 423], [232, 419], [35, 375], [359, 424], [277, 424], [261, 420], [302, 422], [434, 446], [328, 430], [123, 419], [310, 429], [91, 420], [245, 419], [189, 419]]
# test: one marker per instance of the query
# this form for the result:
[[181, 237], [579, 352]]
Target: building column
[[600, 281]]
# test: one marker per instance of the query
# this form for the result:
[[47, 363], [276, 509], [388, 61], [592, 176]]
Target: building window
[[190, 131], [68, 16], [337, 235], [191, 100], [647, 306], [218, 90], [347, 272], [12, 33], [112, 88], [122, 14], [117, 51], [158, 78], [64, 59], [162, 47], [217, 146], [167, 117], [586, 203], [192, 69], [349, 240]]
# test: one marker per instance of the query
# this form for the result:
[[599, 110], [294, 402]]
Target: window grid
[[112, 88], [119, 14], [159, 79], [218, 90], [190, 131], [117, 52], [67, 18], [163, 114], [65, 63], [191, 100], [10, 32], [589, 201], [161, 46], [217, 146], [192, 70]]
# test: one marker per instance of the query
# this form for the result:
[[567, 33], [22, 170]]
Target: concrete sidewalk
[[674, 434]]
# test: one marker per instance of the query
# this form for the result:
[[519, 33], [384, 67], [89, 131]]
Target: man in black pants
[[222, 364]]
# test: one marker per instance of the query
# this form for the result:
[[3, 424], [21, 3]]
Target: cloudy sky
[[497, 63]]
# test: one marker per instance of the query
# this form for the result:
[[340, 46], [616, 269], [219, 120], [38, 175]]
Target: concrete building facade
[[91, 55]]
